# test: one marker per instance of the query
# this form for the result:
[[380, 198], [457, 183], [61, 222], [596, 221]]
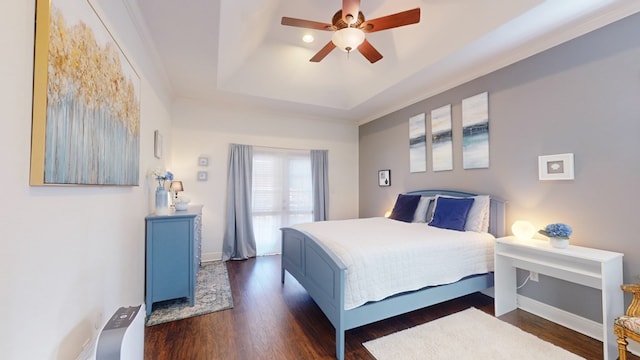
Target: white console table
[[595, 268]]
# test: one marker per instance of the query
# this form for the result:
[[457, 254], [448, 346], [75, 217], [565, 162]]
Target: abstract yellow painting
[[86, 102]]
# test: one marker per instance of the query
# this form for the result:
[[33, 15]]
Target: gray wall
[[581, 97]]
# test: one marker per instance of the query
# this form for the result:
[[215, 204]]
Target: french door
[[281, 194]]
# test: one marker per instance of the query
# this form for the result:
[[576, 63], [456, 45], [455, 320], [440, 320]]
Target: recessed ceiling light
[[308, 38]]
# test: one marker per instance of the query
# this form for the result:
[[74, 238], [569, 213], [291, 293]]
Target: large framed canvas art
[[475, 132], [442, 138], [86, 107], [417, 143]]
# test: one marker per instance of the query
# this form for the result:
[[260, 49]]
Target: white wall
[[208, 130], [69, 256]]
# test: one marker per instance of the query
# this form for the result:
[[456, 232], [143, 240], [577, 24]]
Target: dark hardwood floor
[[274, 321]]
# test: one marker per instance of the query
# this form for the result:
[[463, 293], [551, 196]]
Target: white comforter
[[386, 257]]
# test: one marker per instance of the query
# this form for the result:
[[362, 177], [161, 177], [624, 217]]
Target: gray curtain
[[320, 184], [239, 241]]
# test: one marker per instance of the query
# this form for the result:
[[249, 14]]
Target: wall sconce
[[176, 187], [523, 230]]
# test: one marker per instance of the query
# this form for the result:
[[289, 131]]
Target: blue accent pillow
[[451, 213], [405, 207]]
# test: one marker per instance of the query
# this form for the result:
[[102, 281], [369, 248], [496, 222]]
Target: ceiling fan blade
[[392, 21], [323, 52], [350, 7], [306, 24], [369, 51]]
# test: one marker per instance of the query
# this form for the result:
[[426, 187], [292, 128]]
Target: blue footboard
[[320, 272]]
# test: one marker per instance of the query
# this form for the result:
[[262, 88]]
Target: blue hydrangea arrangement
[[559, 230], [162, 177]]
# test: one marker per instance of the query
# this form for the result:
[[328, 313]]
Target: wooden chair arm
[[632, 288], [634, 307]]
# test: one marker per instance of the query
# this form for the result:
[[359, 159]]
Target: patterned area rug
[[213, 293], [467, 335]]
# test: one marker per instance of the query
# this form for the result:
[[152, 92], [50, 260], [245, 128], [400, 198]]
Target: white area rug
[[469, 334]]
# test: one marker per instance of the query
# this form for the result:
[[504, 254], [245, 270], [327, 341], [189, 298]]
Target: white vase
[[162, 201], [559, 243]]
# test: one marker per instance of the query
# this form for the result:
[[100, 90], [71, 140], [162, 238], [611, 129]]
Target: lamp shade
[[347, 39], [523, 230], [176, 186]]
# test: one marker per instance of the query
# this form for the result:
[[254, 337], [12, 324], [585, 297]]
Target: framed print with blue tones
[[475, 132], [441, 139], [417, 144]]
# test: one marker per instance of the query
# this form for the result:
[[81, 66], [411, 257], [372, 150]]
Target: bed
[[317, 266]]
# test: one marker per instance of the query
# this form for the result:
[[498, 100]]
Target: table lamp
[[176, 187]]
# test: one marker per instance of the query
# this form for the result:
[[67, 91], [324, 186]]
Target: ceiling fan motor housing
[[339, 23]]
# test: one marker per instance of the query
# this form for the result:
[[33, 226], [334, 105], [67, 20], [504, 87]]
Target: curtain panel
[[239, 240], [320, 184]]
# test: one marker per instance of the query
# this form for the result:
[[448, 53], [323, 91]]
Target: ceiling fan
[[349, 26]]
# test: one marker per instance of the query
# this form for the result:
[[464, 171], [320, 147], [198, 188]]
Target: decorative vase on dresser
[[162, 201], [173, 251]]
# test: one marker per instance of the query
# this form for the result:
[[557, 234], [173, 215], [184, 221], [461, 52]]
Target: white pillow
[[420, 215], [478, 216], [485, 221]]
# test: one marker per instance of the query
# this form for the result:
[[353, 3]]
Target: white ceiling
[[236, 51]]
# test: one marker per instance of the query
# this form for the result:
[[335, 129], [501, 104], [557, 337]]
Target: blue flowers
[[162, 177], [562, 231]]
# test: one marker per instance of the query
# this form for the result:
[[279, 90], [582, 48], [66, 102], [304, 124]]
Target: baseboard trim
[[574, 322], [213, 256]]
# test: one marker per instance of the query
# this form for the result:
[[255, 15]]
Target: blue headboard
[[497, 213]]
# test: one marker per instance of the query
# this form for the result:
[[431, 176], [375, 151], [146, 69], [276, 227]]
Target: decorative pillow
[[432, 206], [405, 207], [421, 211], [485, 221], [451, 213], [478, 216]]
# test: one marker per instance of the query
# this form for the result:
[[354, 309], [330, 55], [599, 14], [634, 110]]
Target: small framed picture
[[157, 144], [202, 176], [555, 167], [203, 161], [384, 178]]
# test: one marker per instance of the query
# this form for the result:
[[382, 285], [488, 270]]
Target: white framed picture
[[157, 144], [556, 167], [203, 176], [203, 161]]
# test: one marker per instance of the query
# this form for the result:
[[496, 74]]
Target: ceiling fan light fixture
[[348, 39]]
